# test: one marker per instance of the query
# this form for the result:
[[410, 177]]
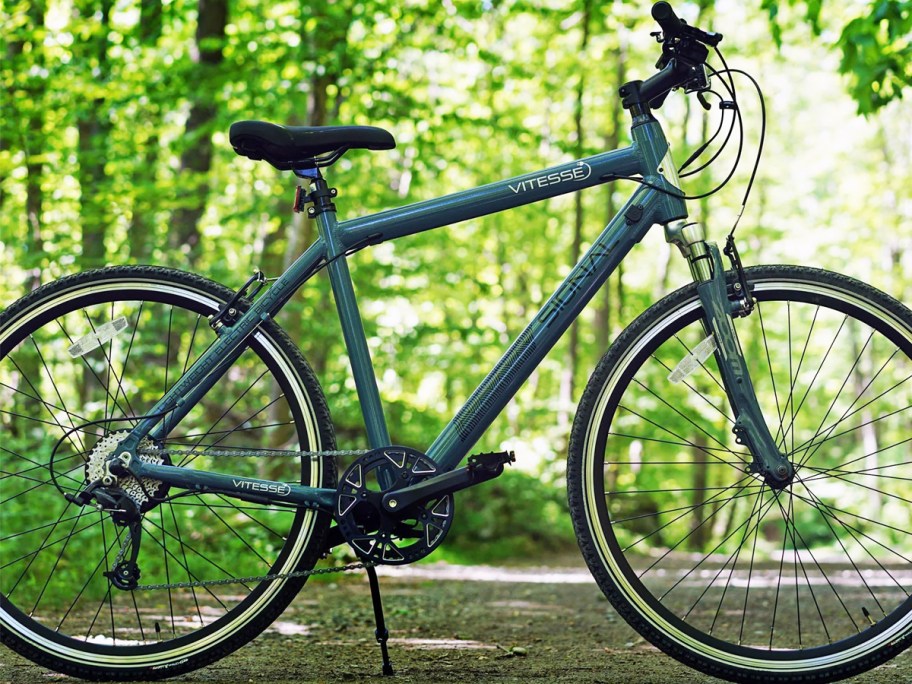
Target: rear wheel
[[58, 606], [704, 559]]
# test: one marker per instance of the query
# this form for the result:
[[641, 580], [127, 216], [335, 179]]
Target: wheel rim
[[107, 626], [805, 600]]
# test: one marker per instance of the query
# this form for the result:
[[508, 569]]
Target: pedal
[[491, 462]]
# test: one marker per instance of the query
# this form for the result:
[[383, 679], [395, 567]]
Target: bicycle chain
[[256, 453]]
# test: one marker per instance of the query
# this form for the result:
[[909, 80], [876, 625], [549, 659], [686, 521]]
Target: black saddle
[[304, 147]]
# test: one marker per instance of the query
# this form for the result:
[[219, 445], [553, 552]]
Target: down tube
[[558, 313]]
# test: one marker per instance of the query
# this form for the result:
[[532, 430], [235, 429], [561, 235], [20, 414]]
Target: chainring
[[377, 536]]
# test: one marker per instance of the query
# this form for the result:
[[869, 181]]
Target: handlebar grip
[[667, 19]]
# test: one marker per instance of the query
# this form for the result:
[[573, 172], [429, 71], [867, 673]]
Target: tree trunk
[[603, 323], [142, 225], [196, 160], [94, 127], [568, 376]]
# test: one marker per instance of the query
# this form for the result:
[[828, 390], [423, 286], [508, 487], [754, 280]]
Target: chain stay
[[238, 453]]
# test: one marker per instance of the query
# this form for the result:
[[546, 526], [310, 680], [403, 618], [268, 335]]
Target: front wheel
[[703, 558], [80, 360]]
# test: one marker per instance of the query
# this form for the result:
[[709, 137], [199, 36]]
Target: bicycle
[[736, 469]]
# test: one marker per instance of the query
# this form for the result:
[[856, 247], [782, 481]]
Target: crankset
[[394, 505], [381, 537]]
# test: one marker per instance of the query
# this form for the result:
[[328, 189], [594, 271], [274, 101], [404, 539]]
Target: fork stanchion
[[382, 634]]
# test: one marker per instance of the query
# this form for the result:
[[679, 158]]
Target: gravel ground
[[452, 624]]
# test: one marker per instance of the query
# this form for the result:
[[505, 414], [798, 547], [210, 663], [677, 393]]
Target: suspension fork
[[719, 310]]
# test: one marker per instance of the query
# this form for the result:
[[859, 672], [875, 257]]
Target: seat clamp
[[320, 198]]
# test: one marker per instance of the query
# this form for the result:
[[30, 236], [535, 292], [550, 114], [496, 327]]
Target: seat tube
[[350, 319]]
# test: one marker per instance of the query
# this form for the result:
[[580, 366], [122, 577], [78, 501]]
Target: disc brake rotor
[[374, 534]]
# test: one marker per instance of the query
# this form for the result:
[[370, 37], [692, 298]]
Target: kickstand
[[381, 633]]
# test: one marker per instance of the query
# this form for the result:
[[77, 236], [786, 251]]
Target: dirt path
[[490, 625]]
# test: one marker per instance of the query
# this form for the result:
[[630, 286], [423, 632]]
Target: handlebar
[[667, 19], [684, 53], [675, 28]]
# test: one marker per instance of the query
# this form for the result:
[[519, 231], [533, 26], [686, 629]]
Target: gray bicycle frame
[[656, 201]]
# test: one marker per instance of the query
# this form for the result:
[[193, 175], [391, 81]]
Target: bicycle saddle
[[301, 147]]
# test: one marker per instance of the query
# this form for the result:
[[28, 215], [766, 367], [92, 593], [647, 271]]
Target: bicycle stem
[[750, 427]]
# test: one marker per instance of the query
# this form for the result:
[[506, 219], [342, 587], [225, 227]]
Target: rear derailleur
[[125, 512]]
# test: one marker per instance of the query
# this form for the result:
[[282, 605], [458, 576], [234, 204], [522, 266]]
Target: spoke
[[176, 440], [787, 520], [823, 361], [858, 428], [17, 390], [237, 534], [826, 473], [688, 508], [237, 428], [810, 452], [816, 445], [85, 363], [50, 377], [825, 517], [769, 364], [733, 557], [871, 489], [826, 577], [44, 545], [705, 448], [243, 511], [891, 549], [685, 537], [23, 474], [85, 586], [190, 346], [108, 355], [47, 422], [126, 361], [164, 545], [683, 441], [694, 389], [186, 563], [37, 529], [31, 489], [227, 411], [750, 567], [48, 407], [678, 412], [227, 573], [168, 350], [50, 574]]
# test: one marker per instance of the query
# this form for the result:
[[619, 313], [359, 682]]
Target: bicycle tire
[[57, 607], [703, 559]]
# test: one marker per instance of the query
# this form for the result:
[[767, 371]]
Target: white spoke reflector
[[694, 360], [95, 339]]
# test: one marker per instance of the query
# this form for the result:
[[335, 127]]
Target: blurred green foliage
[[113, 149]]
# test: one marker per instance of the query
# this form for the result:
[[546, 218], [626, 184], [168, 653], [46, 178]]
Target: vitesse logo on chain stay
[[580, 172], [279, 488]]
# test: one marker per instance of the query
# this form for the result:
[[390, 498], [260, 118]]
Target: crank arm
[[480, 468]]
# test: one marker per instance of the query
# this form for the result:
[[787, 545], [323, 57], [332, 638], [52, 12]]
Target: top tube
[[492, 198]]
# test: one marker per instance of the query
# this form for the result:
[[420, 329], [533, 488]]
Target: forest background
[[114, 149]]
